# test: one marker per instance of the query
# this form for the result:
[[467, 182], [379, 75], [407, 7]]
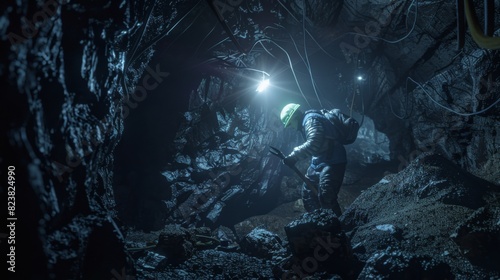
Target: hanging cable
[[266, 50], [224, 24], [308, 65], [451, 110], [352, 102], [206, 36], [398, 40], [222, 41], [296, 49], [405, 106], [414, 3], [163, 34], [136, 44], [184, 31], [312, 37], [134, 49], [320, 47], [276, 73], [293, 72], [394, 113], [289, 62], [363, 101], [133, 57]]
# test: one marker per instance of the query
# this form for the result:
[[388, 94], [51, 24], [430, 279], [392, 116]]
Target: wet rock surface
[[111, 125], [60, 124], [222, 171], [199, 253], [263, 244], [318, 244], [421, 218], [411, 225], [462, 135], [479, 237]]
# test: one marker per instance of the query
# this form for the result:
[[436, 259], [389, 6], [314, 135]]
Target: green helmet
[[288, 112]]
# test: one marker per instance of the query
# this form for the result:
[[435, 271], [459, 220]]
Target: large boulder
[[318, 244], [263, 244], [175, 242]]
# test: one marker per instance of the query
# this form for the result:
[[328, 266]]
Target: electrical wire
[[363, 103], [293, 72], [133, 57], [222, 41], [376, 37], [398, 40], [136, 44], [449, 109], [312, 37], [286, 9], [289, 61], [296, 49], [206, 36], [298, 52], [320, 47], [406, 115], [134, 49], [227, 64], [163, 34], [185, 29], [265, 49], [308, 64]]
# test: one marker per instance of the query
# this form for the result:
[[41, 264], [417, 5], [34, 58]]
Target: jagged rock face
[[74, 74], [412, 44], [222, 170], [71, 70], [471, 139], [432, 217], [63, 119], [218, 160]]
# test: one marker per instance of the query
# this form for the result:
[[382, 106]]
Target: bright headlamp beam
[[263, 85]]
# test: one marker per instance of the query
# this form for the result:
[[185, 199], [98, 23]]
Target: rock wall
[[455, 114], [222, 171], [64, 66], [74, 71], [422, 90]]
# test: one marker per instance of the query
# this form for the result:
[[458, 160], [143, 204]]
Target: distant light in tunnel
[[263, 85], [361, 78]]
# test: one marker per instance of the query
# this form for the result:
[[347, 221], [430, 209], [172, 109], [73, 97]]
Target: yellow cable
[[483, 41]]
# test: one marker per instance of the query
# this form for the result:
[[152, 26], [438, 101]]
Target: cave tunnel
[[139, 140]]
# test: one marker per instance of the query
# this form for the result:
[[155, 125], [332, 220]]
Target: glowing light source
[[263, 85], [360, 78]]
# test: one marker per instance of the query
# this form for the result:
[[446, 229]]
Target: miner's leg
[[330, 181]]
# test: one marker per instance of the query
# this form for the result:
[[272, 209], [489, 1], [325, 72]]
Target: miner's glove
[[289, 161]]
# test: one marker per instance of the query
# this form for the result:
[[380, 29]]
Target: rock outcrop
[[432, 218]]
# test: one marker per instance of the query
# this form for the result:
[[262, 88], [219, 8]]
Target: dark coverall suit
[[328, 161]]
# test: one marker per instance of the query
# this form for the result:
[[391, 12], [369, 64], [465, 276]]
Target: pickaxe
[[309, 184]]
